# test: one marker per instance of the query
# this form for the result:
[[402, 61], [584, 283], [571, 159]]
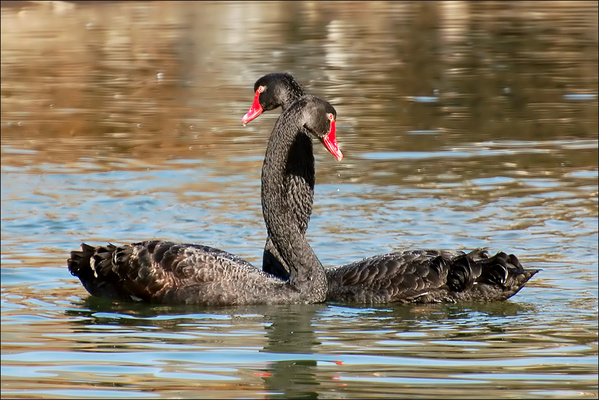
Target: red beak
[[255, 110], [330, 142]]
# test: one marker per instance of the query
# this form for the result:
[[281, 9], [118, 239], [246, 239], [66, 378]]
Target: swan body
[[414, 276], [174, 273], [428, 276]]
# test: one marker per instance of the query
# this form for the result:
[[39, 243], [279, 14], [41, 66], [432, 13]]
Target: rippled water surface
[[462, 124]]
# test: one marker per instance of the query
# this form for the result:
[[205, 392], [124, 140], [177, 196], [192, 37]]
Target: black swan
[[171, 273], [423, 276]]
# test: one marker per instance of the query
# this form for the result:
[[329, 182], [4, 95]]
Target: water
[[462, 125]]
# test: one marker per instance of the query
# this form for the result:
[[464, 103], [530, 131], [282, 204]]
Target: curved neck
[[278, 204], [293, 92]]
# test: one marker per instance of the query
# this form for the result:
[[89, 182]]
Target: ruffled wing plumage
[[165, 272], [428, 276]]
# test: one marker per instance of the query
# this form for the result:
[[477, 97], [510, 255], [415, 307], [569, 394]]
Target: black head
[[272, 91], [318, 117]]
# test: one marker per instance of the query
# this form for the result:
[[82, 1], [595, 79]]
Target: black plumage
[[420, 276], [172, 273]]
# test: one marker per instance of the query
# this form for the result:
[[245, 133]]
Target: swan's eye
[[331, 117], [261, 89]]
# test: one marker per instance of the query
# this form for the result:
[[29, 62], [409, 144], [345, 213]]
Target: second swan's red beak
[[255, 110], [330, 142]]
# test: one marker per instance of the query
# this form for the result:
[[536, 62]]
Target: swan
[[172, 273], [413, 276]]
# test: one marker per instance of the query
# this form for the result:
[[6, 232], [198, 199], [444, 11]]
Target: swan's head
[[318, 117], [273, 91]]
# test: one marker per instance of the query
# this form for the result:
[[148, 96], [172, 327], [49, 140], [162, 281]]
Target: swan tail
[[93, 266], [116, 272], [476, 276]]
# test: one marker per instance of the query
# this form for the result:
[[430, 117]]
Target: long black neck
[[306, 271], [292, 91]]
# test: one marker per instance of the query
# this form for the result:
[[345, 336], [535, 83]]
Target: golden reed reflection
[[134, 85]]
